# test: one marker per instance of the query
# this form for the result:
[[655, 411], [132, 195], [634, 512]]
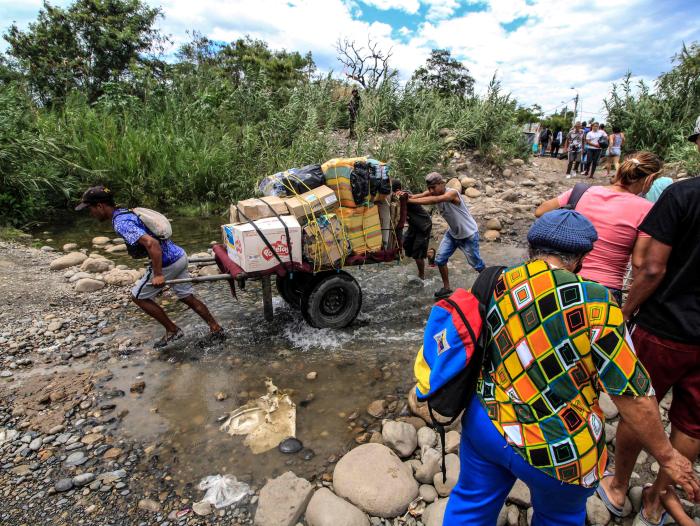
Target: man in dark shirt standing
[[664, 303], [353, 110]]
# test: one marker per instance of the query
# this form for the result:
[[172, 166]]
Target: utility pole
[[575, 109]]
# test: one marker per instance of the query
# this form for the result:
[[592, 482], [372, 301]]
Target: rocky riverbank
[[66, 457]]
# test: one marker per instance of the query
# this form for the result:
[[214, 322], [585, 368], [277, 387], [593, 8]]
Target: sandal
[[169, 338], [443, 293], [641, 519], [612, 508]]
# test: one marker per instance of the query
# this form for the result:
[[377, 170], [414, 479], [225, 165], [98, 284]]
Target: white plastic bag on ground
[[223, 490]]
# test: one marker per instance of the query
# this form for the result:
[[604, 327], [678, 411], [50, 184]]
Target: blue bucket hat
[[563, 230]]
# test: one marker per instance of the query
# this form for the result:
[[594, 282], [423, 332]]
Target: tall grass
[[200, 138]]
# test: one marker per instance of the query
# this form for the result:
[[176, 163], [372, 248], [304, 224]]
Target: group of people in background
[[583, 146]]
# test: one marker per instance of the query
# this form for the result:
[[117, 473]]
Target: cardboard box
[[255, 209], [363, 228], [325, 241], [321, 200], [246, 248]]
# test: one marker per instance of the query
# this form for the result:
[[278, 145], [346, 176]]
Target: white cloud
[[409, 6], [562, 44]]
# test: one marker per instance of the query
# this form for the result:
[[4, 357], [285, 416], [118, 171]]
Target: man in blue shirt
[[168, 261]]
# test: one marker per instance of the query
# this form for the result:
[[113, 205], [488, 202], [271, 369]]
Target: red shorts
[[673, 365]]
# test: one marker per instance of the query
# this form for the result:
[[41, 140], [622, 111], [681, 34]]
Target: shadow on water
[[372, 359]]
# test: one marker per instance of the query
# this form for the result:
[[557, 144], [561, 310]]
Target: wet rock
[[89, 285], [606, 404], [435, 513], [63, 485], [374, 479], [202, 508], [138, 387], [427, 493], [307, 454], [327, 509], [400, 436], [149, 505], [596, 512], [283, 500], [100, 240], [429, 467], [95, 265], [83, 479], [473, 193], [426, 437], [312, 375], [451, 476], [290, 446], [377, 408], [520, 494], [68, 260]]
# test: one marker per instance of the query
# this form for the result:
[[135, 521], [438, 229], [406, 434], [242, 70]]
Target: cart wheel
[[332, 301], [292, 289]]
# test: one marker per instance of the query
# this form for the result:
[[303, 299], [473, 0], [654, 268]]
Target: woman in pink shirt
[[616, 211]]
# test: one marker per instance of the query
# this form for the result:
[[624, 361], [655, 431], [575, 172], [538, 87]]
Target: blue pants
[[489, 468], [468, 245]]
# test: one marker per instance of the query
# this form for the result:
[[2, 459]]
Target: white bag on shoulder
[[156, 222]]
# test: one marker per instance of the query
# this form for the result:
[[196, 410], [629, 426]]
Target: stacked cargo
[[320, 214]]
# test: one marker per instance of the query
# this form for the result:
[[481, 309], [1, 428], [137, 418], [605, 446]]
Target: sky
[[542, 51]]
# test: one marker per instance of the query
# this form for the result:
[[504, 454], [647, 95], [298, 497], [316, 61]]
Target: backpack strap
[[576, 193], [483, 289]]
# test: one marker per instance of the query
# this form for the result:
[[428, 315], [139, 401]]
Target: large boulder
[[69, 260], [327, 509], [435, 513], [373, 478], [89, 285], [95, 265], [400, 436], [283, 500]]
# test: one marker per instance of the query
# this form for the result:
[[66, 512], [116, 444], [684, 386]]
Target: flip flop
[[612, 508], [168, 339], [641, 520]]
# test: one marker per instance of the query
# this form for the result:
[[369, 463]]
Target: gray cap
[[696, 131], [433, 178]]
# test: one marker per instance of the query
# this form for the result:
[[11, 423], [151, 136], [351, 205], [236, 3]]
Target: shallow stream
[[370, 360]]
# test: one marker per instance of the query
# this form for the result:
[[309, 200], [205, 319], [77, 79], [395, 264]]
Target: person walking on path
[[353, 110], [664, 304], [420, 226], [545, 135], [573, 147], [616, 211], [557, 139], [462, 234], [593, 139], [555, 341], [167, 261], [617, 140]]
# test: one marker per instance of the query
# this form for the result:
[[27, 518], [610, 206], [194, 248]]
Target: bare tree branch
[[369, 67]]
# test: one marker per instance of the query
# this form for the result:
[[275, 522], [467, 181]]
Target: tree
[[369, 67], [529, 115], [561, 120], [444, 74], [83, 47]]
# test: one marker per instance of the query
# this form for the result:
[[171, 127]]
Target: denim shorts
[[468, 245]]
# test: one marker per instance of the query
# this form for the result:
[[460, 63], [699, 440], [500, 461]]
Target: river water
[[371, 359]]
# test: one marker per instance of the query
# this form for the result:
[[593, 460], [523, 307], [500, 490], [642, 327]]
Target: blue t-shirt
[[131, 228]]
